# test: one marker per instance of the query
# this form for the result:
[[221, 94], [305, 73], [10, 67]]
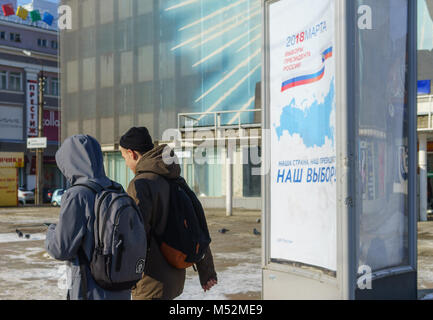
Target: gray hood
[[80, 159]]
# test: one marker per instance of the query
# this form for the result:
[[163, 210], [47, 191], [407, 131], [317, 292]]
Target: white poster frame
[[301, 253]]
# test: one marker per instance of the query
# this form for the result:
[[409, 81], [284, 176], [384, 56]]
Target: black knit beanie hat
[[137, 139]]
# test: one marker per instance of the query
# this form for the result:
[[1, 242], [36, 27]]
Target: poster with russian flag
[[302, 122], [308, 78]]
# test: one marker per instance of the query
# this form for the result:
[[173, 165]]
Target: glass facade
[[116, 169], [251, 183], [425, 25], [381, 117], [142, 62], [425, 77], [425, 46]]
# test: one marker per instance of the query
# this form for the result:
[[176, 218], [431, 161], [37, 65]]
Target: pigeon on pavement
[[257, 233], [223, 230], [20, 234]]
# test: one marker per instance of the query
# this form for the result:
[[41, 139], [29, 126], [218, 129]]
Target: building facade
[[28, 50], [169, 64], [425, 107]]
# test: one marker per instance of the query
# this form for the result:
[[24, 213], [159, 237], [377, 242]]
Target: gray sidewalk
[[27, 272], [425, 260]]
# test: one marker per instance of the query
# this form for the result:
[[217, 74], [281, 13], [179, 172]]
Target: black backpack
[[119, 254], [186, 235]]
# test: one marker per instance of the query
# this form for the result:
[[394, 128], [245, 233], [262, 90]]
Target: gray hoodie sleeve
[[64, 239]]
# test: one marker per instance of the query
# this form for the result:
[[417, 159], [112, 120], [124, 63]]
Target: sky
[[28, 1]]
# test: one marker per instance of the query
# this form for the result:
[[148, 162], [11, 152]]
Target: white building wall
[[425, 104]]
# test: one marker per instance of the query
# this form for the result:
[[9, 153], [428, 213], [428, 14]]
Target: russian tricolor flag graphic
[[327, 53], [310, 78]]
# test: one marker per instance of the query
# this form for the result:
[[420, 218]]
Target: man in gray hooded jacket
[[79, 159]]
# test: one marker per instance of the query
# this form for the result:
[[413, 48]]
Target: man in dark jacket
[[79, 159], [150, 190]]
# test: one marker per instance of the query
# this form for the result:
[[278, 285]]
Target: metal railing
[[195, 120], [29, 23]]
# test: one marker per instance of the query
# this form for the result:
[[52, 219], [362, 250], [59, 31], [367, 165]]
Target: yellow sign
[[8, 187], [22, 13], [11, 159]]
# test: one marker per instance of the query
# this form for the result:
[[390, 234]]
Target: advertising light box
[[8, 187], [340, 147], [302, 124]]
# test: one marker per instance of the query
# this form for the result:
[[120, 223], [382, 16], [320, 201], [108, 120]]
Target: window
[[15, 37], [251, 182], [54, 44], [2, 35], [3, 80], [42, 42], [424, 87], [15, 81], [54, 87]]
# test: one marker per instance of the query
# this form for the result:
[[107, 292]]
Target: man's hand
[[209, 284]]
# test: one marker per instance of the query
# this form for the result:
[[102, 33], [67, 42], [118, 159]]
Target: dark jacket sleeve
[[206, 268], [64, 239], [139, 191]]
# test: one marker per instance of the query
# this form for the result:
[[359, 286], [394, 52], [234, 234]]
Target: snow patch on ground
[[428, 297], [13, 237], [244, 278], [28, 272]]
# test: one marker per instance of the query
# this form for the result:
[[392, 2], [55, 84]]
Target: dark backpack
[[186, 235], [119, 254]]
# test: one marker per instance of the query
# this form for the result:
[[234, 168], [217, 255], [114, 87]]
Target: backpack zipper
[[106, 216], [118, 262], [97, 216]]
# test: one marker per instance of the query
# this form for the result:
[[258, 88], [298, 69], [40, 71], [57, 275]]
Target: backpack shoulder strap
[[92, 185], [96, 188]]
